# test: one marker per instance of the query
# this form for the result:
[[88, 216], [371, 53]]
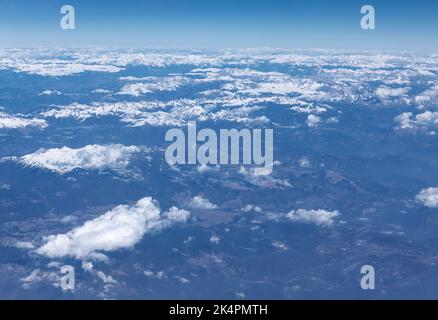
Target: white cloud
[[385, 92], [189, 240], [175, 215], [157, 275], [250, 207], [427, 95], [156, 59], [260, 179], [312, 120], [333, 120], [309, 108], [280, 245], [425, 120], [282, 84], [304, 162], [91, 157], [182, 279], [50, 93], [103, 91], [121, 227], [242, 92], [340, 75], [428, 197], [239, 115], [404, 120], [136, 89], [105, 278], [154, 84], [125, 110], [199, 202], [37, 276], [319, 217], [24, 245], [31, 279], [89, 267], [202, 168], [215, 239], [8, 121]]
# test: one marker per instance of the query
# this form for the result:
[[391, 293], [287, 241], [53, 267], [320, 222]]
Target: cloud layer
[[227, 85]]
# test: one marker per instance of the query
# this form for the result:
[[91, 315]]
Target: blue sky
[[401, 25]]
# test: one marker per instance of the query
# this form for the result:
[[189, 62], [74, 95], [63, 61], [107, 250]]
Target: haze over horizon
[[400, 25]]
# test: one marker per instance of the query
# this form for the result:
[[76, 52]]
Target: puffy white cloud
[[312, 120], [428, 197], [333, 120], [91, 157], [404, 120], [121, 227], [198, 202], [175, 215], [8, 121], [425, 120], [427, 95], [385, 92], [319, 217]]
